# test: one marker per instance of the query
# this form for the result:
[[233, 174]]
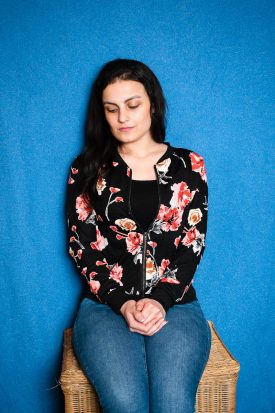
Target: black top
[[144, 201]]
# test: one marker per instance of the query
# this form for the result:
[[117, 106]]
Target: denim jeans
[[134, 373]]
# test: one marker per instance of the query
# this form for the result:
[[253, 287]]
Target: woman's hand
[[145, 316]]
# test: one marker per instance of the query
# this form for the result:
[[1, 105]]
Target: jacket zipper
[[144, 263], [145, 233]]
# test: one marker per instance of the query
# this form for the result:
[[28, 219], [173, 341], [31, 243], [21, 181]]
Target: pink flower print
[[104, 262], [84, 271], [150, 268], [75, 238], [113, 228], [74, 171], [113, 189], [133, 242], [79, 253], [177, 241], [152, 244], [82, 208], [181, 195], [116, 273], [197, 163], [100, 185], [128, 171], [170, 218], [190, 236], [94, 286], [100, 242], [117, 199], [92, 274], [170, 280], [115, 163], [195, 239], [163, 266], [194, 216], [125, 223], [164, 269], [162, 170], [163, 165]]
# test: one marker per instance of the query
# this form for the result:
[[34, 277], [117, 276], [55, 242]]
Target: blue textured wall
[[214, 60]]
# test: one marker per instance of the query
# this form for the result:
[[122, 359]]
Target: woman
[[137, 219]]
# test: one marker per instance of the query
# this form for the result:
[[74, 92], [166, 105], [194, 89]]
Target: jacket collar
[[119, 161]]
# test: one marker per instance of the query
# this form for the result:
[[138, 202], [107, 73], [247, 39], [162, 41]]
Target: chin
[[123, 137]]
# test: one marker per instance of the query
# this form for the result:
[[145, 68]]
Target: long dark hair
[[100, 144]]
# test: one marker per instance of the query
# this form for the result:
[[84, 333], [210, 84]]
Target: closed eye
[[114, 110]]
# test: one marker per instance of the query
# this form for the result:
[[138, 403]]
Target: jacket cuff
[[163, 298], [116, 299]]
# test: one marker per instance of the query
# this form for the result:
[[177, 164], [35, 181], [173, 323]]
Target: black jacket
[[120, 261]]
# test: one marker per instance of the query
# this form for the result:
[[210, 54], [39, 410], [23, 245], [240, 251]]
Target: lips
[[126, 129]]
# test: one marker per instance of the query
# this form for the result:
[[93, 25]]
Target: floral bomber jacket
[[117, 259]]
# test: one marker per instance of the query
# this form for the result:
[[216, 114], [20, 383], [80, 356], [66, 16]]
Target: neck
[[140, 150]]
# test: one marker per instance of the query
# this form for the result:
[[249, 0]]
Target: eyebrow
[[132, 97]]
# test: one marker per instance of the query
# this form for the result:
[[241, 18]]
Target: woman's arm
[[191, 246], [86, 244]]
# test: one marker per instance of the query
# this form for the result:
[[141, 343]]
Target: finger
[[155, 315], [149, 324], [139, 316], [146, 326], [134, 323], [152, 331], [141, 327], [145, 329], [140, 305], [158, 328], [145, 315]]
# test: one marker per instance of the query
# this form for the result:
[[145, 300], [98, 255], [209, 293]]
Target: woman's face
[[127, 111]]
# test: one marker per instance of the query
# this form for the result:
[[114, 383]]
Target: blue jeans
[[134, 373]]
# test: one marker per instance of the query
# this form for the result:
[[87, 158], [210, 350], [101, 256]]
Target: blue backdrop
[[214, 60]]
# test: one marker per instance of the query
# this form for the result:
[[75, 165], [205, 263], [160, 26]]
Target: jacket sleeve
[[180, 272], [86, 244]]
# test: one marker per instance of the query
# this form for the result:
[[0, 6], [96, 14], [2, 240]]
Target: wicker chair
[[216, 392]]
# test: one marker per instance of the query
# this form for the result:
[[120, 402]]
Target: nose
[[122, 116]]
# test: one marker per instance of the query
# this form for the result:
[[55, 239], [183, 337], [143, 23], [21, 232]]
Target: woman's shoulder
[[75, 170], [77, 160], [180, 150], [188, 154], [192, 160]]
